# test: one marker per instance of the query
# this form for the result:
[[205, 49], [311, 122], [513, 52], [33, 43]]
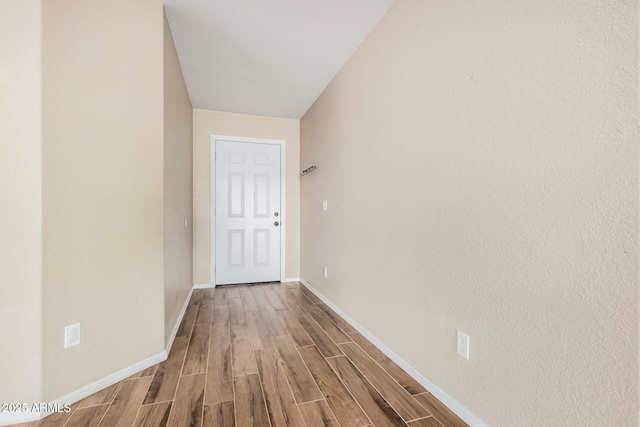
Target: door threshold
[[247, 284]]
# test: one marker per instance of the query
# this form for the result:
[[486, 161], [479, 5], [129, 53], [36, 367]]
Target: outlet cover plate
[[71, 335], [462, 345]]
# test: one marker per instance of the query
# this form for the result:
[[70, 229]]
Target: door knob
[[276, 214], [276, 223]]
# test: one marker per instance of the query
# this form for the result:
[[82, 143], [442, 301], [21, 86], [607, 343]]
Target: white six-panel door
[[247, 216]]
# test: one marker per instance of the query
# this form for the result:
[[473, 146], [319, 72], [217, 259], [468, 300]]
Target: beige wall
[[20, 240], [178, 176], [480, 160], [207, 123], [102, 188]]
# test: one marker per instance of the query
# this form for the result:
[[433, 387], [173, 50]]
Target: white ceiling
[[266, 57]]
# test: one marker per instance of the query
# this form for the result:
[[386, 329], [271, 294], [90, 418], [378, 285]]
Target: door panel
[[261, 199], [236, 195], [262, 247], [247, 216], [235, 249]]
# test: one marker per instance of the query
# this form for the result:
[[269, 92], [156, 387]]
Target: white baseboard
[[7, 418], [443, 397], [291, 279], [204, 286], [177, 325], [110, 379], [21, 417]]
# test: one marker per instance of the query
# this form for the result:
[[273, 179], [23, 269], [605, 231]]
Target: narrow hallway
[[263, 355]]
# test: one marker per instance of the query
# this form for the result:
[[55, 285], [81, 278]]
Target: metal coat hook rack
[[308, 170]]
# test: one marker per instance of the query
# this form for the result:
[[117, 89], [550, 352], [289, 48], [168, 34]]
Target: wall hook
[[308, 170]]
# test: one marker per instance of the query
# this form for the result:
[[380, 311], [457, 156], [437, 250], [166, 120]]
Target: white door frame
[[282, 144]]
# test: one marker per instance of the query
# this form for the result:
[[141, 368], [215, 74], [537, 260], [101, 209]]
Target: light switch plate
[[324, 205]]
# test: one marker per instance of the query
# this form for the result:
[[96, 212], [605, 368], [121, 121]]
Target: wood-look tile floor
[[263, 355]]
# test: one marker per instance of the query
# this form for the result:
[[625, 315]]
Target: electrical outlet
[[71, 335], [324, 205], [325, 272], [463, 345]]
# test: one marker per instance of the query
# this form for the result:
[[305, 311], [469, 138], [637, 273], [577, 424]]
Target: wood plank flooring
[[270, 355]]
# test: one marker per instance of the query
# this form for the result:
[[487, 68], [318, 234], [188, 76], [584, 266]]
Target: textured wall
[[178, 184], [207, 123], [480, 160], [20, 240], [102, 188]]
